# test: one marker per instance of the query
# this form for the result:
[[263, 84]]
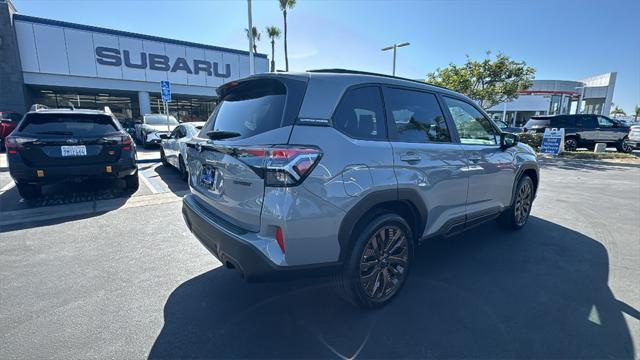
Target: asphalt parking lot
[[126, 279]]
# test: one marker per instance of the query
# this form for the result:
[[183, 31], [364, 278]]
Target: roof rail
[[38, 107], [358, 72]]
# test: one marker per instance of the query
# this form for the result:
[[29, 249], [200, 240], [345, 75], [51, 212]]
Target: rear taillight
[[14, 143], [280, 165], [119, 139]]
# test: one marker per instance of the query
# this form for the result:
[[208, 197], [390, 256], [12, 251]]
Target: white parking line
[[148, 183], [7, 187]]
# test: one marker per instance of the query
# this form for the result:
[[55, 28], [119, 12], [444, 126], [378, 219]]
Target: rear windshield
[[250, 108], [160, 120], [68, 124]]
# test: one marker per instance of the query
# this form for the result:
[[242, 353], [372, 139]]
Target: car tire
[[366, 270], [184, 174], [517, 215], [163, 158], [29, 191], [132, 182], [570, 144], [624, 147]]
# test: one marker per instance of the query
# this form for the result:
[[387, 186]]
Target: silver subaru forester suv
[[344, 173]]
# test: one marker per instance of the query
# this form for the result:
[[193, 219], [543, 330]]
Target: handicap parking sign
[[165, 90]]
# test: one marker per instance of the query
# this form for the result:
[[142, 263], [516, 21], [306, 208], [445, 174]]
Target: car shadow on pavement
[[538, 293], [171, 177], [589, 165]]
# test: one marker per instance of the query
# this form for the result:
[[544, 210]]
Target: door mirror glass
[[508, 140]]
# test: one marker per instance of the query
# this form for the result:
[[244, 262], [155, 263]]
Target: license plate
[[208, 176], [76, 150]]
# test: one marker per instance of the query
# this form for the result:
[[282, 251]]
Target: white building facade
[[90, 67], [592, 95]]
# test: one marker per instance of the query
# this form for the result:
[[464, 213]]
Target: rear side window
[[255, 106], [586, 122], [360, 114], [415, 116], [560, 122], [68, 124]]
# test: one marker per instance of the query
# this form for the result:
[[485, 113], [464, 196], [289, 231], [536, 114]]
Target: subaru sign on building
[[90, 67]]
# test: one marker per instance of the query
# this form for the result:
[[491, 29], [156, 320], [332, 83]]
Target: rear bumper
[[227, 244], [23, 173]]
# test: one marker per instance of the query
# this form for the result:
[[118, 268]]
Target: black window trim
[[385, 136], [482, 112], [391, 128]]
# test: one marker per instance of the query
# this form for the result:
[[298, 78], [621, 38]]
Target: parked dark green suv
[[584, 130]]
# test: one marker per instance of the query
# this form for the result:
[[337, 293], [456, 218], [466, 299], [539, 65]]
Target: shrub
[[532, 139]]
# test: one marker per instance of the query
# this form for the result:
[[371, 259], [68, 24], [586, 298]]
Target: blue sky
[[566, 40]]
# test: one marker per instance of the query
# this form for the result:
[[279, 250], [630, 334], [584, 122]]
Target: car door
[[426, 157], [588, 125], [609, 131], [491, 169]]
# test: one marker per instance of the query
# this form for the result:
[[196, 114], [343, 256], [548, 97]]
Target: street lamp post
[[395, 47]]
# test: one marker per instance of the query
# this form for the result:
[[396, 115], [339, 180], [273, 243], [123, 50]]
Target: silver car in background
[[173, 149], [151, 126]]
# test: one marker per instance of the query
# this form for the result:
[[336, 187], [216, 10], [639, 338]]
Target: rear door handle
[[410, 156]]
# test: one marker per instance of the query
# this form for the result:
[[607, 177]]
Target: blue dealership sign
[[552, 142], [165, 90]]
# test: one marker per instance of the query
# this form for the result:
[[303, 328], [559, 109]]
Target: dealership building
[[55, 63], [592, 95]]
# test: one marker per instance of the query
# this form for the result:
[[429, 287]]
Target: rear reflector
[[40, 173], [280, 238]]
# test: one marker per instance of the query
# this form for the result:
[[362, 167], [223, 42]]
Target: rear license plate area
[[75, 150], [208, 176]]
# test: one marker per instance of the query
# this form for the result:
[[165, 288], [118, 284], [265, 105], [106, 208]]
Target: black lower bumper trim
[[235, 252]]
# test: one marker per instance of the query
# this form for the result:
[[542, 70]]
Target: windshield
[[160, 120], [68, 124]]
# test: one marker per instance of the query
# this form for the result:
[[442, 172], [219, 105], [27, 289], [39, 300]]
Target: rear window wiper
[[55, 133], [219, 134]]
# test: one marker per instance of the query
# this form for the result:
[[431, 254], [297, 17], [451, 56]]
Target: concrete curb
[[47, 213]]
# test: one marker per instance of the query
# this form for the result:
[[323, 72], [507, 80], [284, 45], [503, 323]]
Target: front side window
[[416, 116], [360, 114], [604, 122], [472, 126]]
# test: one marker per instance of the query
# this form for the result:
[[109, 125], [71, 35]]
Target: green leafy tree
[[273, 32], [284, 5], [489, 82], [637, 112], [617, 111], [256, 37]]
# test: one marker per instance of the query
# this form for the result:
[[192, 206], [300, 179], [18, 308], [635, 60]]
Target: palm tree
[[256, 37], [284, 5], [617, 111], [273, 32], [637, 112]]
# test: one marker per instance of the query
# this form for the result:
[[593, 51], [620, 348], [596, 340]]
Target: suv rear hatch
[[67, 139], [241, 146]]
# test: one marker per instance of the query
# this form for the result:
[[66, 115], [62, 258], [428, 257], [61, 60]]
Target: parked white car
[[151, 126], [173, 149]]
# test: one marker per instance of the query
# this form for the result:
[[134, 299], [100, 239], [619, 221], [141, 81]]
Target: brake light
[[119, 139], [14, 143], [280, 238], [280, 165]]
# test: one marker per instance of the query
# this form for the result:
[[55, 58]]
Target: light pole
[[251, 64], [394, 47]]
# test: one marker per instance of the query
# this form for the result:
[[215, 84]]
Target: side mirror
[[508, 140], [165, 136]]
